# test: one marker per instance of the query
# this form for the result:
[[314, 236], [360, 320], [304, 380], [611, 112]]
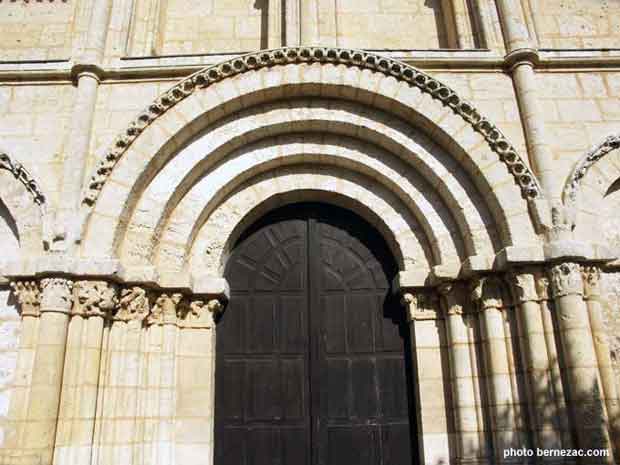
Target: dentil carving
[[133, 305], [95, 298], [566, 279], [494, 137], [28, 296], [56, 295]]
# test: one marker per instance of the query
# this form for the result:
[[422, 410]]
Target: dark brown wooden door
[[311, 364]]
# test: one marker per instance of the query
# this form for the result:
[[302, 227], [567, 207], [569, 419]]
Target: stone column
[[535, 360], [37, 410], [196, 381], [555, 367], [431, 370], [159, 393], [28, 296], [274, 35], [585, 391], [470, 440], [488, 292], [120, 427], [592, 288], [87, 72], [94, 302]]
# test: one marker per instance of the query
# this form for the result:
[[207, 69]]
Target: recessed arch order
[[384, 129]]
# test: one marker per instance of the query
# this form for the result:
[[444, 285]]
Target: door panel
[[311, 365]]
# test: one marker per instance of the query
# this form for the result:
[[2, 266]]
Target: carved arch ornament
[[496, 140], [596, 153], [23, 176]]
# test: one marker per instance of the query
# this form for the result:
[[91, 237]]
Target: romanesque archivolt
[[496, 140], [23, 176], [571, 188]]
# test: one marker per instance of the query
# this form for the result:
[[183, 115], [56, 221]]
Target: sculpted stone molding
[[496, 140], [488, 292], [28, 296], [523, 285], [95, 298], [566, 279], [591, 276], [23, 176], [571, 188], [56, 295]]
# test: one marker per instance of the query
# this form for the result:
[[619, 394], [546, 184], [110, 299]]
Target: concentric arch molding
[[571, 188], [23, 176], [496, 140]]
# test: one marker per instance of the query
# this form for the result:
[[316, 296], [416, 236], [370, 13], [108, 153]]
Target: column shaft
[[592, 277], [498, 373], [584, 386], [292, 27]]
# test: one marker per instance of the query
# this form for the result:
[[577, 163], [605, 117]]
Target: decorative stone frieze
[[56, 295], [566, 279], [23, 176], [591, 276], [165, 309], [523, 285], [28, 296], [571, 188], [95, 298], [133, 305], [487, 291], [494, 137]]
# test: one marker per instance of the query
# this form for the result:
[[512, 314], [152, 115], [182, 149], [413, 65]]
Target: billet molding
[[494, 137], [23, 176], [599, 151]]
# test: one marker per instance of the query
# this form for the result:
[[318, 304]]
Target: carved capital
[[542, 286], [165, 309], [591, 276], [420, 306], [523, 285], [56, 295], [28, 296], [198, 314], [451, 298], [95, 298], [487, 291], [566, 279], [133, 305]]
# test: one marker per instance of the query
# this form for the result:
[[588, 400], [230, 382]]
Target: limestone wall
[[577, 23], [37, 30], [580, 109], [9, 343], [34, 124]]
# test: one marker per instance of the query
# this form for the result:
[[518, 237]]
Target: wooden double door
[[312, 364]]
